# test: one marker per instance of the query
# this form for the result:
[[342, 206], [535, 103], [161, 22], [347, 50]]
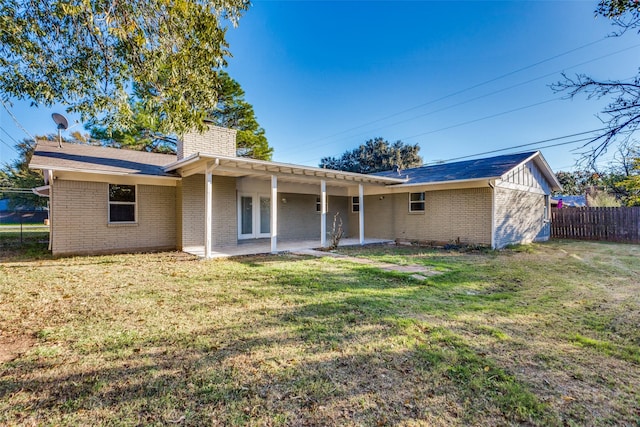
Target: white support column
[[208, 206], [361, 212], [274, 214], [323, 213]]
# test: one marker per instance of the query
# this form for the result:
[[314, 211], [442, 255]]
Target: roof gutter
[[101, 172], [457, 181]]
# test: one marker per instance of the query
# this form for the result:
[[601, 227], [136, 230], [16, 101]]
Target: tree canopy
[[96, 56], [621, 116], [375, 155], [231, 111], [620, 181]]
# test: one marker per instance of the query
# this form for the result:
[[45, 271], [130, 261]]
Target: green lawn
[[545, 335], [27, 236]]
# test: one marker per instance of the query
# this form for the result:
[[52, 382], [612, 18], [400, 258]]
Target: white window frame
[[355, 203], [255, 215], [134, 203], [423, 201]]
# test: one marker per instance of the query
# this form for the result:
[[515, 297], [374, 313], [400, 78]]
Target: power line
[[477, 97], [8, 145], [529, 144], [15, 119], [9, 135], [490, 116], [520, 146], [466, 89], [496, 91]]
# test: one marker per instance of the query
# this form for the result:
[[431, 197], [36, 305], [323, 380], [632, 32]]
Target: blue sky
[[458, 78]]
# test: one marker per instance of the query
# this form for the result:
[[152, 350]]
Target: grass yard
[[15, 240], [547, 334]]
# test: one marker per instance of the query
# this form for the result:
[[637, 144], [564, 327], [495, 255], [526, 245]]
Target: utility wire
[[466, 89], [493, 92], [15, 119], [490, 116], [514, 147], [8, 134], [529, 144], [9, 145], [478, 97]]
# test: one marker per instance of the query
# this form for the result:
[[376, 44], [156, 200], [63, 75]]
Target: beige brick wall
[[192, 204], [225, 212], [224, 228], [519, 217], [449, 215], [298, 218], [80, 219], [216, 140]]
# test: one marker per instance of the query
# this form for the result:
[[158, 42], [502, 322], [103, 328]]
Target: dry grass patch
[[546, 336]]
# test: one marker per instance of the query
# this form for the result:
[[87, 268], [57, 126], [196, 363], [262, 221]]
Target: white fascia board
[[103, 172], [453, 182], [192, 158]]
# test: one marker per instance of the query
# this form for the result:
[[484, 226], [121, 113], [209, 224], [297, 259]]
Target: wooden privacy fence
[[608, 224]]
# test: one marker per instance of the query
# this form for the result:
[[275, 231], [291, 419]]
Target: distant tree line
[[375, 155], [619, 185]]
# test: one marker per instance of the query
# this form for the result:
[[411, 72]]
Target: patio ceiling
[[241, 167]]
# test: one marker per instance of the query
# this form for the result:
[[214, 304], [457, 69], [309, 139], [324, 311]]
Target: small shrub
[[336, 231]]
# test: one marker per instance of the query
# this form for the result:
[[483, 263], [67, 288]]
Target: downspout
[[493, 214]]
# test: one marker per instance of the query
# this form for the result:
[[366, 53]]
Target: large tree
[[231, 111], [621, 116], [91, 55], [375, 155]]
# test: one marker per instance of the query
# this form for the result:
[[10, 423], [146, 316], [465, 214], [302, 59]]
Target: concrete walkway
[[418, 272]]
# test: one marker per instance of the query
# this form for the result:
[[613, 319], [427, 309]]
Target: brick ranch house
[[205, 200]]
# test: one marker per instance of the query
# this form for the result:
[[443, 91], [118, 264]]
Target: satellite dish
[[61, 121]]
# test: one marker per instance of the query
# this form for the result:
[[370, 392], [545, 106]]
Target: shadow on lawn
[[350, 358], [346, 346]]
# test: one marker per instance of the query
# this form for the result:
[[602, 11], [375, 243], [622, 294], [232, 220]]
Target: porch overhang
[[241, 167]]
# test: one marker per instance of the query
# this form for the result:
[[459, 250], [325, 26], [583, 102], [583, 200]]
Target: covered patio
[[260, 187]]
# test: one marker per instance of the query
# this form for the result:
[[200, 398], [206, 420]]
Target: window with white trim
[[355, 204], [122, 203], [416, 202]]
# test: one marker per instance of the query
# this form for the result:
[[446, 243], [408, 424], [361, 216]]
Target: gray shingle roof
[[48, 155], [490, 167]]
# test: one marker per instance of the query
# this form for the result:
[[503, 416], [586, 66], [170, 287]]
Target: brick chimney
[[215, 140]]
